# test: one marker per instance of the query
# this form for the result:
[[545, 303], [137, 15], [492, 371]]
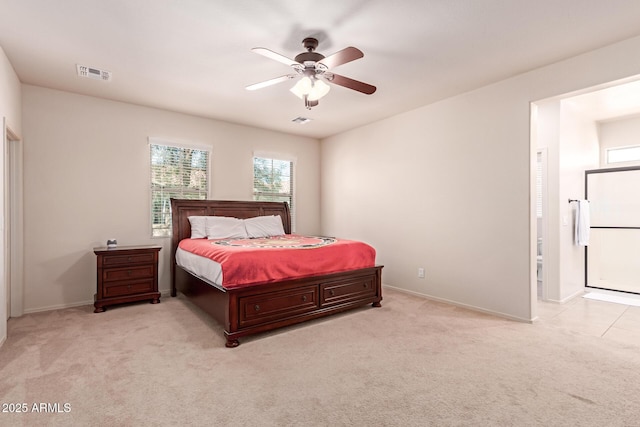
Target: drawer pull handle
[[129, 272], [129, 259], [304, 298], [256, 307], [332, 292], [364, 285], [129, 287]]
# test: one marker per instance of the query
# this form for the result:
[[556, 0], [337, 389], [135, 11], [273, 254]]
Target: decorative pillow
[[223, 227], [198, 227], [264, 226]]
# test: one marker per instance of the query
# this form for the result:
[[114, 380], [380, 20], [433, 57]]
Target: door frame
[[544, 223], [13, 229]]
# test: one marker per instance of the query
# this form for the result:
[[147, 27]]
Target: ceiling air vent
[[93, 73], [301, 120]]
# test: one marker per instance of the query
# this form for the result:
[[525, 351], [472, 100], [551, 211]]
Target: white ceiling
[[194, 56], [611, 103]]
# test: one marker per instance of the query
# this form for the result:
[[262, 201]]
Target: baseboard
[[163, 293], [461, 305], [56, 307], [567, 299]]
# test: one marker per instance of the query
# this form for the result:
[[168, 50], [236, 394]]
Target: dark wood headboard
[[182, 209]]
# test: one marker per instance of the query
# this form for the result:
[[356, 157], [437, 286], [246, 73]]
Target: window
[[623, 154], [273, 182], [180, 172]]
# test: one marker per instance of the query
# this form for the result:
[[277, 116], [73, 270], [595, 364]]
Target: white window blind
[[273, 181], [179, 172]]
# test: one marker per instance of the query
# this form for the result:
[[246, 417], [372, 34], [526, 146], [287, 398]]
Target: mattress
[[235, 263], [202, 267]]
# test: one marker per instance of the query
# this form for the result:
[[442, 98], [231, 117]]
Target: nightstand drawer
[[115, 260], [128, 273], [127, 288]]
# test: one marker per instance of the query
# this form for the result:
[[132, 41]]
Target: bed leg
[[376, 304], [232, 343]]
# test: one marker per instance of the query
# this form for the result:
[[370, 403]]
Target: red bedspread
[[249, 261]]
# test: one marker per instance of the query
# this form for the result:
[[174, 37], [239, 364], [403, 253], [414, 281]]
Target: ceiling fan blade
[[352, 84], [271, 82], [343, 56], [275, 56]]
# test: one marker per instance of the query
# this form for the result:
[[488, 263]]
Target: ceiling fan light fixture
[[318, 90], [312, 88], [302, 88], [311, 65]]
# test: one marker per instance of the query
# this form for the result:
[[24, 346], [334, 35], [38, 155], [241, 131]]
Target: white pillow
[[264, 226], [198, 227], [224, 227]]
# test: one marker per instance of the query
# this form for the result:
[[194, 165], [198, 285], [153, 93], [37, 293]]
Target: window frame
[[183, 145], [293, 180], [622, 148]]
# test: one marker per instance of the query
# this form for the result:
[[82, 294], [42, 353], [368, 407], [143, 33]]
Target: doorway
[[570, 127]]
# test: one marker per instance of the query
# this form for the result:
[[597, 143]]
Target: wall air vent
[[93, 73], [301, 120]]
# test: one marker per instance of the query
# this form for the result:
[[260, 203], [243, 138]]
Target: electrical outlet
[[421, 273]]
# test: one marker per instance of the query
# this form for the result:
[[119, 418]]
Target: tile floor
[[608, 320]]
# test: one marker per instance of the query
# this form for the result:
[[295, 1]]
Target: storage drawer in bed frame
[[265, 308], [278, 305], [274, 306], [344, 292]]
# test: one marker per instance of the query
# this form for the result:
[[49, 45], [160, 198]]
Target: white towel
[[582, 223]]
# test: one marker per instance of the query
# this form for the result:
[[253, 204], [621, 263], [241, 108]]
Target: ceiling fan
[[314, 69]]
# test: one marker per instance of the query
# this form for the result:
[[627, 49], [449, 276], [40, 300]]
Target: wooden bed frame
[[266, 306]]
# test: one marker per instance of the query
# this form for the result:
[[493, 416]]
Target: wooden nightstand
[[126, 274]]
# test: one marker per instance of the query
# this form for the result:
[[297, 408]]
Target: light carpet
[[412, 362]]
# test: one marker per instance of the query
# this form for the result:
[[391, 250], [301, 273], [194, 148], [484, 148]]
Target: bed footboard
[[265, 307]]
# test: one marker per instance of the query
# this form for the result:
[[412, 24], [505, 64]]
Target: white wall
[[448, 186], [618, 133], [10, 110], [86, 179]]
